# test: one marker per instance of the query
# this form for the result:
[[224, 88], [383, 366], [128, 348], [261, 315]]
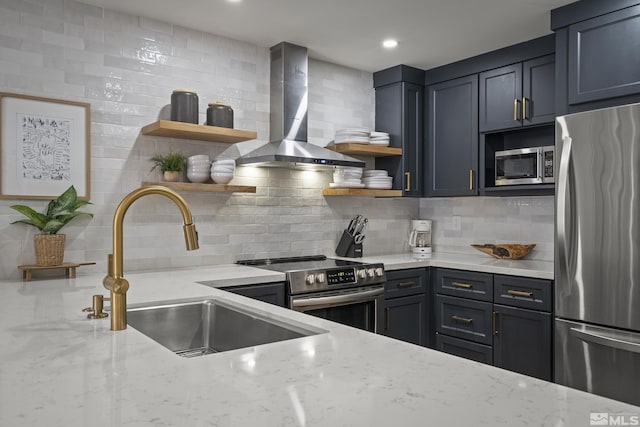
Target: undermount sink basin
[[205, 326]]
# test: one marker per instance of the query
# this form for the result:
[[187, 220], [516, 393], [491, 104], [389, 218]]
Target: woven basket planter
[[49, 249]]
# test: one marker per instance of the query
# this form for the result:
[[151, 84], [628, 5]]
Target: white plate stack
[[347, 177], [378, 179], [379, 138], [357, 135], [222, 170], [198, 168]]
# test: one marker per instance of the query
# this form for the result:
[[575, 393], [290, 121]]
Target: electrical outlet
[[455, 222]]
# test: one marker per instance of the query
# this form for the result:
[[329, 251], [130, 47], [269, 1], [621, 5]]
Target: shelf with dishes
[[168, 128], [209, 188], [372, 150]]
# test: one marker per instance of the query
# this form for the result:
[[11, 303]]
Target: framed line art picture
[[45, 147]]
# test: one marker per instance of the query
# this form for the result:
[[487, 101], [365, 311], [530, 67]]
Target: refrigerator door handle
[[607, 341], [561, 205]]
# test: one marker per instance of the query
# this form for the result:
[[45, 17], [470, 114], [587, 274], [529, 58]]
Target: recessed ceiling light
[[390, 43], [234, 1]]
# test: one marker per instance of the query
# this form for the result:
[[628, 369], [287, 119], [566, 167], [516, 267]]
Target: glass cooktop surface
[[306, 263]]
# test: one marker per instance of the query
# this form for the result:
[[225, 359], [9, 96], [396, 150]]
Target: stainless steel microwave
[[525, 166]]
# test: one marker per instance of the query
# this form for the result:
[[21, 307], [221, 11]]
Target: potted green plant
[[170, 164], [49, 245]]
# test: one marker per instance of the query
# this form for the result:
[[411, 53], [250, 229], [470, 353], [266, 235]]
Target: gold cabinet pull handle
[[406, 284], [520, 293], [493, 323], [524, 108], [387, 317], [466, 320], [470, 179], [408, 176], [516, 101], [462, 285]]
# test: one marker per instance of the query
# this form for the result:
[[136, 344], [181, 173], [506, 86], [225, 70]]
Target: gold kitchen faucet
[[115, 281]]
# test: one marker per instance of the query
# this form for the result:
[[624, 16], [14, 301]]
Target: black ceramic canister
[[184, 106], [219, 114]]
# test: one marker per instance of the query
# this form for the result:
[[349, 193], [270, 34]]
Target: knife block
[[347, 247]]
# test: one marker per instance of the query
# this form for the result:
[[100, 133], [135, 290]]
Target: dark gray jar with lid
[[184, 106], [220, 114]]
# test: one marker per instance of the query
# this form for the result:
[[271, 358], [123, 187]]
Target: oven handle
[[353, 297]]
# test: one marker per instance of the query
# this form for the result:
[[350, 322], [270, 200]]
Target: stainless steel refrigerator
[[597, 256]]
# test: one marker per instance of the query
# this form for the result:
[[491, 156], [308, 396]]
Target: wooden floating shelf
[[365, 149], [210, 188], [361, 192], [182, 130]]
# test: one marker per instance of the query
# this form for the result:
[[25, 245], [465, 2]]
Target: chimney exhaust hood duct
[[288, 146]]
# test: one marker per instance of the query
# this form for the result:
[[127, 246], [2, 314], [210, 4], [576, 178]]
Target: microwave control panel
[[548, 164]]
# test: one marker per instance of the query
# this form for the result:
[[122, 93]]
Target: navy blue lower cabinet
[[463, 348], [405, 319], [273, 293], [405, 311], [506, 322], [522, 341]]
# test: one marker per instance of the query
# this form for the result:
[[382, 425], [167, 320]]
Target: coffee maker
[[420, 237]]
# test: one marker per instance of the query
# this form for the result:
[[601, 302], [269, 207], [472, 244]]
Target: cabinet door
[[522, 341], [603, 56], [452, 160], [405, 319], [273, 293], [399, 111], [412, 139], [539, 90], [501, 98]]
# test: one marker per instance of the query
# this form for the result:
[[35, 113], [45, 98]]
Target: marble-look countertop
[[58, 368], [484, 263]]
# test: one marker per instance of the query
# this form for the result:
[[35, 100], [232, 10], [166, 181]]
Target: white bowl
[[199, 157], [222, 170], [219, 178], [224, 162], [198, 162], [197, 176]]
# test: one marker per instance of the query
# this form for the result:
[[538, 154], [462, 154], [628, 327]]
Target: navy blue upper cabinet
[[399, 111], [597, 45], [452, 137], [518, 95]]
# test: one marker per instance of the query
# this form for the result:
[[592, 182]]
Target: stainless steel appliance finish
[[597, 273], [288, 146], [532, 165], [347, 292]]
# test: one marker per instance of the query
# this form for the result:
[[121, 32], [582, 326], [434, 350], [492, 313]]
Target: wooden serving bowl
[[505, 251]]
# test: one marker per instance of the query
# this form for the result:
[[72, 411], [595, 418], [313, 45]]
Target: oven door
[[519, 166], [358, 307]]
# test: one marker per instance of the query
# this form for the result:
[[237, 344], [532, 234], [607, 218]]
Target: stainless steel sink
[[195, 328]]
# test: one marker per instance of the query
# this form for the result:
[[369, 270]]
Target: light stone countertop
[[60, 369], [483, 263]]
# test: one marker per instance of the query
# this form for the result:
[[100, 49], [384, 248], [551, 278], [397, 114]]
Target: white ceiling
[[349, 32]]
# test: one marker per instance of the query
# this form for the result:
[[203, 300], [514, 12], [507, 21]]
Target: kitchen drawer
[[405, 282], [464, 318], [535, 294], [467, 284], [463, 348]]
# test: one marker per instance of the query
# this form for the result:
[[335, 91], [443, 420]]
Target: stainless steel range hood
[[288, 126]]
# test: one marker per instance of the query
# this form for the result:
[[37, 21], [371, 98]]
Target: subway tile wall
[[126, 67], [460, 222]]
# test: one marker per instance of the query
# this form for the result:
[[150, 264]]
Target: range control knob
[[320, 277], [379, 272], [310, 279], [362, 274], [370, 272]]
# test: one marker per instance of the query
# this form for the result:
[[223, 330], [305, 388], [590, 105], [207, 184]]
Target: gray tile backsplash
[[126, 66]]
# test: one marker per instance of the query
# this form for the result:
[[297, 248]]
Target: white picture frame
[[45, 147]]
